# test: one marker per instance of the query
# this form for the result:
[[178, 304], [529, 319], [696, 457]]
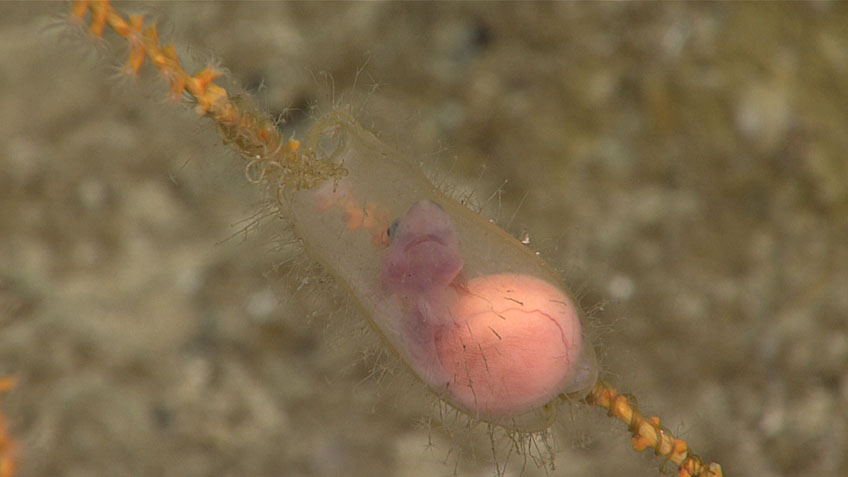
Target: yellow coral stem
[[251, 132], [8, 447], [648, 433]]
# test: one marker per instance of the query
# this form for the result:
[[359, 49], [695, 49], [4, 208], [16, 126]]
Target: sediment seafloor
[[683, 165]]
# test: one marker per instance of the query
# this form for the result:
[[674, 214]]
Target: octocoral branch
[[8, 447], [648, 433], [279, 163]]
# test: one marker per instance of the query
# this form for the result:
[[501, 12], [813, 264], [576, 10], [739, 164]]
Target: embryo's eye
[[391, 230]]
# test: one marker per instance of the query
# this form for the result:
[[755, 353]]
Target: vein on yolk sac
[[478, 317]]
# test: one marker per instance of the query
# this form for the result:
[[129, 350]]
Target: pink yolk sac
[[512, 345], [497, 346]]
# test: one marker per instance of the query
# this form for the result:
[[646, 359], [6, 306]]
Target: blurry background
[[682, 165]]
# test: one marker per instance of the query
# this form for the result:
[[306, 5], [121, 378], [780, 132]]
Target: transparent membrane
[[476, 315]]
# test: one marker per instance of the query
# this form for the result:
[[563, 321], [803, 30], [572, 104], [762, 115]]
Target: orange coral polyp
[[8, 447]]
